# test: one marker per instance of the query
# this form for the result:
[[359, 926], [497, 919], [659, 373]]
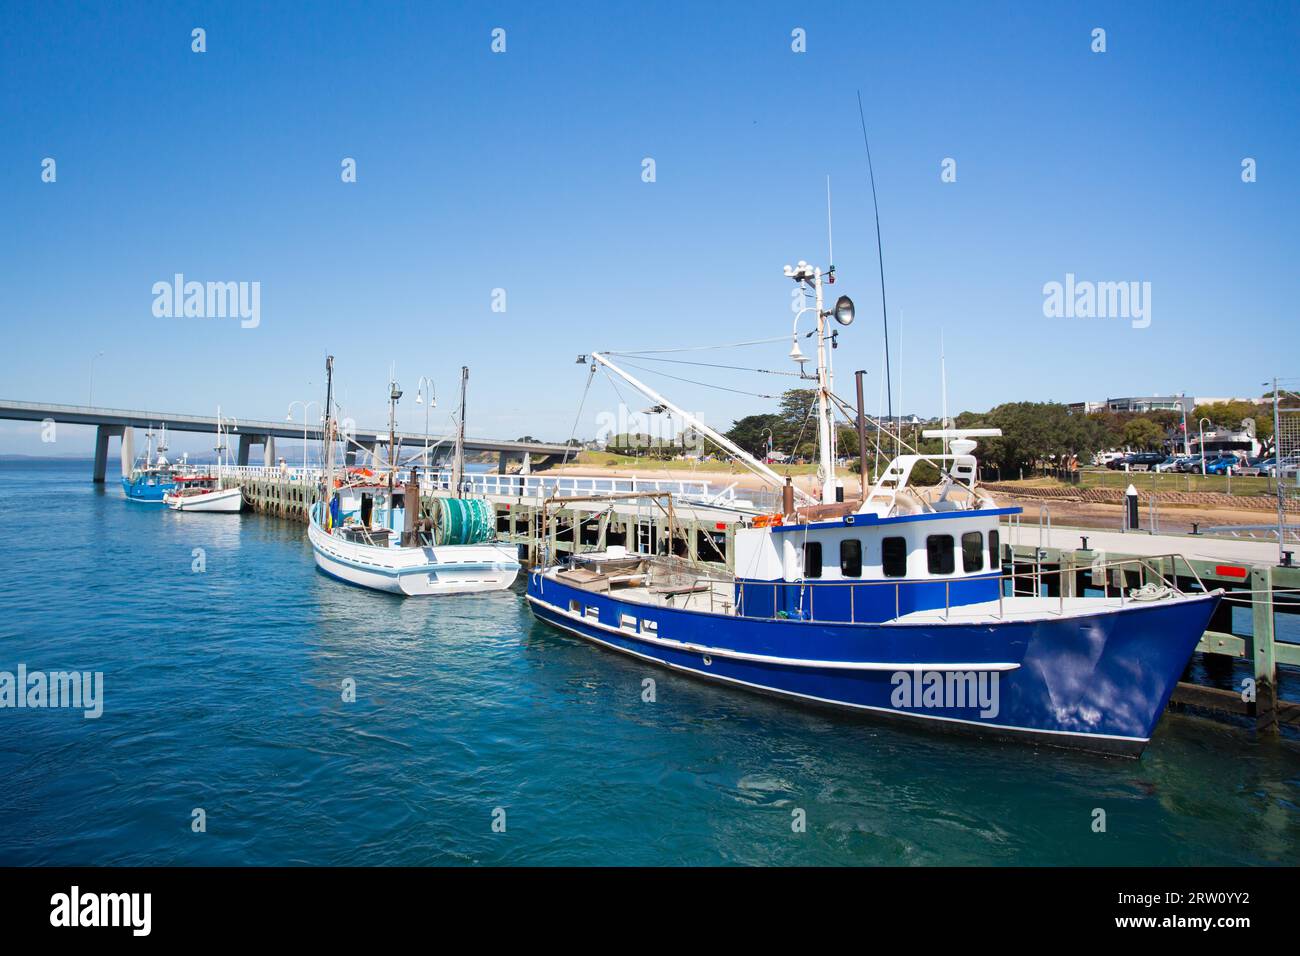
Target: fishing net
[[463, 521]]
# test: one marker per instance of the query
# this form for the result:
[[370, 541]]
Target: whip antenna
[[880, 255]]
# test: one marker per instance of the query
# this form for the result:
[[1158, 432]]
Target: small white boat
[[362, 541], [367, 530], [204, 492], [200, 493]]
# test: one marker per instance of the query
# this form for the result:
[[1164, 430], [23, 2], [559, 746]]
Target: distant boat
[[204, 492], [152, 477], [367, 530]]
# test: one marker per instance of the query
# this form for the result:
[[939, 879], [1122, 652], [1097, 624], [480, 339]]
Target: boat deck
[[1030, 609], [655, 584]]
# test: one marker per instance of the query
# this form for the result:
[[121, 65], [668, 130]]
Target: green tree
[[1143, 434]]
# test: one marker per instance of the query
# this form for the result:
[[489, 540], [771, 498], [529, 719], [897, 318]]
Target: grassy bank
[[1160, 481]]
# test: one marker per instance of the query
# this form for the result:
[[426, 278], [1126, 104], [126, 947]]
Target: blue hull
[[146, 491], [1097, 682]]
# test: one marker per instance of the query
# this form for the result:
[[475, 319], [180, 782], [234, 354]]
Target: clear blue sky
[[522, 171]]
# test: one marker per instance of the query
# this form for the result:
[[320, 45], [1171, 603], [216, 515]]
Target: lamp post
[[1187, 439], [289, 418], [92, 376], [433, 402], [1200, 428]]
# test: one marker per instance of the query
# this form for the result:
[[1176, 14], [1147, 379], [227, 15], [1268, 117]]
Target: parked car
[[1189, 464], [1106, 457], [1169, 464], [1223, 465], [1140, 461]]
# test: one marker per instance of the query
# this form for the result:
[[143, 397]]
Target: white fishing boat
[[204, 492], [367, 529]]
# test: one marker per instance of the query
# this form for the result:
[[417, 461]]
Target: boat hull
[[147, 492], [416, 572], [1096, 682], [224, 501]]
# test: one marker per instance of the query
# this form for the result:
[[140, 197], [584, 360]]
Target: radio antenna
[[880, 255], [830, 237]]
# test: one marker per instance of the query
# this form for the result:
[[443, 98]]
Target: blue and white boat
[[892, 605], [152, 477]]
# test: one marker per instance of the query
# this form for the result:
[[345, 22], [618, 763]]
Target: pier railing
[[539, 486]]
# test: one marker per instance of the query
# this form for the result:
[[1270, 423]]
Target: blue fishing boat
[[152, 476], [894, 604]]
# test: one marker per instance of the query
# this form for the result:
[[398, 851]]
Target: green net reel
[[463, 521]]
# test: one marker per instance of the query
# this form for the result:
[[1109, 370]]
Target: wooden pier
[[1053, 561]]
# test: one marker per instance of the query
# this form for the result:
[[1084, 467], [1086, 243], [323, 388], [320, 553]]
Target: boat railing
[[1162, 570]]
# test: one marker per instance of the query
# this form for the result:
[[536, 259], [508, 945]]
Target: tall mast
[[824, 386], [458, 462], [811, 276], [394, 393], [327, 448]]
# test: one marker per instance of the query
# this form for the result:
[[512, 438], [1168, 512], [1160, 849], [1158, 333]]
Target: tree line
[[1032, 432]]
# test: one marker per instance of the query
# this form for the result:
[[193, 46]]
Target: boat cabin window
[[938, 553], [812, 559], [649, 627], [893, 556], [972, 551], [995, 552], [851, 558], [593, 612], [627, 622], [575, 607]]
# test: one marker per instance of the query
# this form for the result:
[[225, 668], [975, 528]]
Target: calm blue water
[[222, 691]]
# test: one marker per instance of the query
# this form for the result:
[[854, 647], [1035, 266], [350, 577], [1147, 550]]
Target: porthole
[[707, 660]]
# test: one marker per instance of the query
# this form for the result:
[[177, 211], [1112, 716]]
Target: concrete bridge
[[118, 423]]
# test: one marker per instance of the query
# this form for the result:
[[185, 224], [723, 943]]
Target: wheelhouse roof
[[868, 519]]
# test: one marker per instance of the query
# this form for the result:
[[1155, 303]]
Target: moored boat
[[892, 605], [368, 531], [203, 493], [152, 476]]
